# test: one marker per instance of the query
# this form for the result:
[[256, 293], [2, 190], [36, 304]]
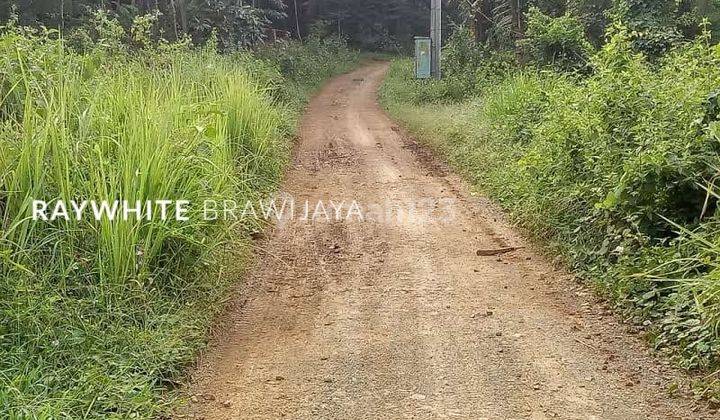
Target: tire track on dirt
[[400, 318]]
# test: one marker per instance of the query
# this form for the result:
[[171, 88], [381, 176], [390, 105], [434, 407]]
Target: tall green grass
[[100, 318]]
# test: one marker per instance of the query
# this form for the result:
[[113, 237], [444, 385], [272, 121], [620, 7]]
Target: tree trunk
[[517, 18], [173, 10], [183, 16], [297, 19], [483, 21]]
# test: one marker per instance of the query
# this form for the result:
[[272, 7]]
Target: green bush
[[556, 41], [470, 67], [652, 24], [306, 65]]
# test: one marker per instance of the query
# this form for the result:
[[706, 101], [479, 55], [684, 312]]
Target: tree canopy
[[386, 25], [370, 24]]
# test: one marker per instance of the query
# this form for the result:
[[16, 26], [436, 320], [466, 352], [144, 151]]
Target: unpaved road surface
[[399, 317]]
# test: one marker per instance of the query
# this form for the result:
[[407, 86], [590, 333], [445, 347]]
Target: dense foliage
[[654, 26], [558, 42], [378, 25], [385, 25], [99, 318], [236, 23]]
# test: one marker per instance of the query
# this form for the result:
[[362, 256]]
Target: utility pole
[[436, 37], [297, 20]]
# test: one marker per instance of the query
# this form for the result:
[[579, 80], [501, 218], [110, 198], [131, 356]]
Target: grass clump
[[615, 170], [100, 318]]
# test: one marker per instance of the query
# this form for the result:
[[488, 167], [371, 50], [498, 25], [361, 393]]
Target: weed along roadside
[[101, 315]]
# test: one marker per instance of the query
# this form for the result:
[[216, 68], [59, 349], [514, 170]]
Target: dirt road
[[399, 317]]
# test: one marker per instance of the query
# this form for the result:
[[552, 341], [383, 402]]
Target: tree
[[496, 22], [370, 24], [237, 23]]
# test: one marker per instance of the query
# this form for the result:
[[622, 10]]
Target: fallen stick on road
[[499, 251]]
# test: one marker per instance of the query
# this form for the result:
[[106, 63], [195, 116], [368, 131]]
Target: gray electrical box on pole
[[436, 36]]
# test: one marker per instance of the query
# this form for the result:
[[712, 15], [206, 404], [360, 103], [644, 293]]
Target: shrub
[[558, 42], [306, 65], [652, 24], [469, 67]]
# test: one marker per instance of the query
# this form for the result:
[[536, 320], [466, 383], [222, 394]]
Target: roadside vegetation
[[100, 318], [601, 137]]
